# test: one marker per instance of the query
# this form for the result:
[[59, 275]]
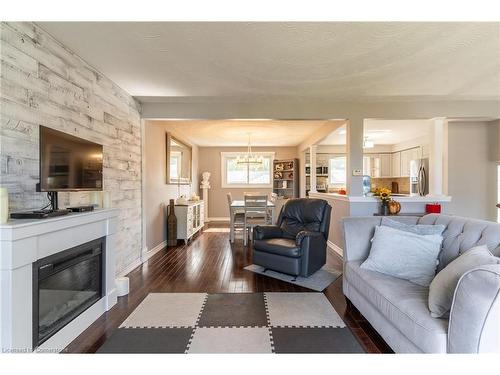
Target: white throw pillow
[[404, 255], [443, 286]]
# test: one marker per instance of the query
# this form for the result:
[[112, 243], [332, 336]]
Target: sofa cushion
[[279, 246], [421, 229], [405, 255], [463, 233], [403, 303]]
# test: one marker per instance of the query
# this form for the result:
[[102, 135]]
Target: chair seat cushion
[[279, 246], [403, 303]]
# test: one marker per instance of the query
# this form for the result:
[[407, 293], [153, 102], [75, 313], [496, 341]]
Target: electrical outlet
[[357, 172]]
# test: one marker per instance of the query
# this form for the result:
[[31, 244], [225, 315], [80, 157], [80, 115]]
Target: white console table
[[23, 242], [190, 219]]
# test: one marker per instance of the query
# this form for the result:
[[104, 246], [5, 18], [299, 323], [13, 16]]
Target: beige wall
[[472, 175], [209, 160], [157, 192]]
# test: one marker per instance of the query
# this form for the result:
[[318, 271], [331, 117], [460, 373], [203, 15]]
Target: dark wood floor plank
[[210, 263]]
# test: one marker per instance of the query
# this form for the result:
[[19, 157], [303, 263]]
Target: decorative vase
[[171, 225], [4, 205], [384, 208], [394, 207]]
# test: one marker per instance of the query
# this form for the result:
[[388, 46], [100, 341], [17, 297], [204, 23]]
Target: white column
[[438, 157], [205, 200], [312, 163], [205, 186], [354, 140]]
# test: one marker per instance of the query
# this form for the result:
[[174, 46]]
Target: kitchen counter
[[345, 205], [399, 198]]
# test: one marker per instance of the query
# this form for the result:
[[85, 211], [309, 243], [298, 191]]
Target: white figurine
[[205, 183]]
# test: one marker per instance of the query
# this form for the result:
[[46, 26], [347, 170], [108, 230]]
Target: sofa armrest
[[261, 232], [474, 325]]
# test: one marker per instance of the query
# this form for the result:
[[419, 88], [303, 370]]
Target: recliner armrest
[[304, 234], [261, 232]]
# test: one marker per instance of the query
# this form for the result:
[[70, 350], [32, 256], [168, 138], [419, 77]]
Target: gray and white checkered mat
[[233, 323]]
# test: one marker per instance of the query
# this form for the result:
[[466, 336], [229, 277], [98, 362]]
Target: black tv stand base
[[38, 214]]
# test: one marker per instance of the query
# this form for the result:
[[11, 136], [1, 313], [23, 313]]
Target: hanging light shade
[[249, 157]]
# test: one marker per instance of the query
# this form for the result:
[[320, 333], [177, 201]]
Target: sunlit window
[[337, 170], [246, 175]]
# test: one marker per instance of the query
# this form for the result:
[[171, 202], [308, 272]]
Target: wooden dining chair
[[256, 213], [238, 219]]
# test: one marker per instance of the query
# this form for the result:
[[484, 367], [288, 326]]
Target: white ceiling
[[385, 132], [229, 133], [260, 60]]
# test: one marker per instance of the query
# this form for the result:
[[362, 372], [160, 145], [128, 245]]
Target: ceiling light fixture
[[249, 157], [367, 143]]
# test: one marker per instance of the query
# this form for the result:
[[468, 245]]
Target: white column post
[[205, 186], [438, 158], [312, 159], [354, 140]]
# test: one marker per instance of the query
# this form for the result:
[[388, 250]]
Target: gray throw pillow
[[423, 229], [443, 286], [404, 255]]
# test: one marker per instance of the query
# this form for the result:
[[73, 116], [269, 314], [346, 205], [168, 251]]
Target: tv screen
[[68, 162]]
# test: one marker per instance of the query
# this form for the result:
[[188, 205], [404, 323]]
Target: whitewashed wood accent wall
[[44, 83]]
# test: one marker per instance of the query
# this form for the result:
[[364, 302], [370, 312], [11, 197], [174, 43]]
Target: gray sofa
[[398, 309]]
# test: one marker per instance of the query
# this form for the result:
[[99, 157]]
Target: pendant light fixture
[[249, 157]]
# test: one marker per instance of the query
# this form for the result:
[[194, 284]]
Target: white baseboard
[[218, 219], [154, 250], [145, 255], [136, 263], [338, 250]]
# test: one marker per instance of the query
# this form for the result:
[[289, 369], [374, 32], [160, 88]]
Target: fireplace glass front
[[65, 285]]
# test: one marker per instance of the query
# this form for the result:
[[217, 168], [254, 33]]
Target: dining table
[[239, 206]]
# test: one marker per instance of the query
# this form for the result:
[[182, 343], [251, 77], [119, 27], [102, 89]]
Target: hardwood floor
[[210, 263]]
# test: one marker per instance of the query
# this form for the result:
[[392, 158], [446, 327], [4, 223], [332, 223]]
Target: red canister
[[433, 208]]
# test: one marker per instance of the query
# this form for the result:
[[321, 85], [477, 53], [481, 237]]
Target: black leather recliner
[[296, 245]]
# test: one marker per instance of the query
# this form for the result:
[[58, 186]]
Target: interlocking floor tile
[[147, 340], [231, 340], [167, 310], [234, 310], [314, 340], [301, 310]]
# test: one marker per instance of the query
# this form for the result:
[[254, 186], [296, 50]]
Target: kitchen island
[[345, 205]]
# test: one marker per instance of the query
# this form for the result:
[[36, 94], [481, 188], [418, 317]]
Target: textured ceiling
[[263, 60], [385, 132], [235, 132]]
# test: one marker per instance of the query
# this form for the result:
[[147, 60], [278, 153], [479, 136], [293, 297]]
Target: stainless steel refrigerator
[[419, 177]]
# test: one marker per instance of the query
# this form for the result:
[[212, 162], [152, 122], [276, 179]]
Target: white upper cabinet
[[396, 164], [406, 157], [385, 165]]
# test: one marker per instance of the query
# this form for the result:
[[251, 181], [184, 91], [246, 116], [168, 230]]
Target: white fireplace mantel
[[23, 242]]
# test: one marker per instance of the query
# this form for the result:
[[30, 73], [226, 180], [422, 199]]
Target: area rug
[[318, 281], [233, 323]]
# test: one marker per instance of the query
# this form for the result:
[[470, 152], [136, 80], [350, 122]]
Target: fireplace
[[65, 285]]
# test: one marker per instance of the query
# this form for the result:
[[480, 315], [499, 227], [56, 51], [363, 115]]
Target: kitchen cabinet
[[385, 165], [377, 165], [396, 164], [406, 157]]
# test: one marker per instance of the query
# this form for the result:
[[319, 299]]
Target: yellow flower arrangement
[[384, 194]]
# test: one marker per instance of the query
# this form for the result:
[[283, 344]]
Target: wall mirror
[[178, 161]]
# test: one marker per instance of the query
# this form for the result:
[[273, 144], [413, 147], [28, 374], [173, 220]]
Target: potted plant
[[385, 197]]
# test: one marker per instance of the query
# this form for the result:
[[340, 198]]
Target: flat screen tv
[[68, 163]]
